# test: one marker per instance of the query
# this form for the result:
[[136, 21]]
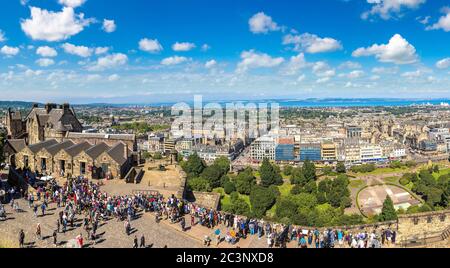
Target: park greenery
[[430, 184], [140, 127], [303, 197], [305, 202]]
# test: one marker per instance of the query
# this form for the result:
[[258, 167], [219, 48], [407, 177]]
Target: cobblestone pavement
[[111, 233]]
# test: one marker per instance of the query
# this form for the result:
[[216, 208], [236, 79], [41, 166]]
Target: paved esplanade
[[111, 233]]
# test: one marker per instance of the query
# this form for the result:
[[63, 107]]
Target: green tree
[[340, 167], [229, 187], [287, 170], [194, 166], [309, 171], [223, 164], [199, 184], [245, 181], [388, 212], [213, 174], [270, 174], [261, 199]]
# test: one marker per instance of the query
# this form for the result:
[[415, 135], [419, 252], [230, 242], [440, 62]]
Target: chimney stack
[[125, 150]]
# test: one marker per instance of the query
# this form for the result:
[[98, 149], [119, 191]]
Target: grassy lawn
[[380, 171], [285, 189], [391, 180], [441, 172], [226, 199], [357, 184]]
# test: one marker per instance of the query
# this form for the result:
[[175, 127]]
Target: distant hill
[[15, 104]]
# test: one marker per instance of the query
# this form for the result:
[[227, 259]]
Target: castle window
[[429, 219], [442, 217], [416, 220]]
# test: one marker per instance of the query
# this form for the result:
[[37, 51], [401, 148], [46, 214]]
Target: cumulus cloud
[[210, 64], [174, 60], [72, 3], [52, 26], [312, 43], [45, 62], [387, 8], [443, 22], [353, 74], [80, 51], [109, 26], [101, 50], [350, 65], [251, 59], [149, 45], [261, 23], [185, 46], [397, 51], [109, 61], [295, 64], [46, 51], [443, 64], [9, 51]]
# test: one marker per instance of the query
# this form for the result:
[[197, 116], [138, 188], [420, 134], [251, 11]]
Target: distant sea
[[329, 103], [305, 103]]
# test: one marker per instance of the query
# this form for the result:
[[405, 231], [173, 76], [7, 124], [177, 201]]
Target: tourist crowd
[[82, 197]]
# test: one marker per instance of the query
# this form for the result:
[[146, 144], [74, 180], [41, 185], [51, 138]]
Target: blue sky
[[168, 50]]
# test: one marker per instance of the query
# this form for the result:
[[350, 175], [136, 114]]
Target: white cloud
[[9, 51], [80, 51], [443, 22], [413, 74], [44, 62], [113, 77], [322, 69], [149, 45], [183, 46], [397, 51], [210, 64], [54, 26], [353, 74], [46, 51], [109, 26], [108, 62], [2, 36], [72, 3], [323, 80], [311, 43], [443, 64], [174, 60], [386, 8], [261, 23], [252, 59], [101, 50], [383, 70], [350, 65], [30, 73], [295, 64]]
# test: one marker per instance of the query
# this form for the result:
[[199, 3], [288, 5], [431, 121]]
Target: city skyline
[[86, 51]]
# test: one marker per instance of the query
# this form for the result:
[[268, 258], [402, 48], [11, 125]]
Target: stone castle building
[[49, 141]]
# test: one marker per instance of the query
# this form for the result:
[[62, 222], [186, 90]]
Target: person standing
[[142, 241], [135, 242], [55, 238], [38, 231], [21, 239]]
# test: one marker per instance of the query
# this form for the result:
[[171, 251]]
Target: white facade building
[[263, 147]]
